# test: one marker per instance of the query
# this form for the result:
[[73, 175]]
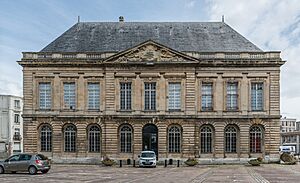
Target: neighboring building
[[11, 125], [290, 133], [297, 125], [288, 124], [181, 89]]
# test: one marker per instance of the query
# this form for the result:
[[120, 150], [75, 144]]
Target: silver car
[[147, 159], [31, 163]]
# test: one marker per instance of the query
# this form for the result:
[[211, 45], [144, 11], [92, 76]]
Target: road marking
[[202, 177], [256, 176]]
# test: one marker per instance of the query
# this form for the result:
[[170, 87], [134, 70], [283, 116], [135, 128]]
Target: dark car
[[31, 163]]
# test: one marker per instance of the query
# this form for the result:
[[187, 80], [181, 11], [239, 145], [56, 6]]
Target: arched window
[[46, 138], [255, 139], [125, 138], [206, 139], [70, 138], [94, 135], [230, 139], [174, 139]]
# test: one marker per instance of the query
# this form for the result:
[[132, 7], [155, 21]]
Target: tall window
[[94, 95], [206, 97], [174, 134], [17, 118], [70, 138], [94, 139], [125, 139], [232, 96], [206, 139], [17, 135], [17, 104], [69, 95], [125, 97], [257, 96], [230, 139], [150, 96], [46, 138], [45, 95], [255, 139], [174, 96]]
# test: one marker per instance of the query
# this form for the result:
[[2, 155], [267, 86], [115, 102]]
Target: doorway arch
[[150, 138]]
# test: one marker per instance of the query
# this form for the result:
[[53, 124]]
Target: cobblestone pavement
[[201, 173]]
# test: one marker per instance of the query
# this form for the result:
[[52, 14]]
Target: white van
[[288, 149]]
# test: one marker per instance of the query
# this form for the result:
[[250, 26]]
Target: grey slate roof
[[181, 36]]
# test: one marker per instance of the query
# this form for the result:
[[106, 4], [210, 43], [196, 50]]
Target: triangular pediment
[[151, 51]]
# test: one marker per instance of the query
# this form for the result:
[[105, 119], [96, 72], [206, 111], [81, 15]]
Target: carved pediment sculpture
[[151, 52]]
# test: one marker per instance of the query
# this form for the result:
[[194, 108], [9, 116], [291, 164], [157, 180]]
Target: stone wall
[[190, 117], [190, 139]]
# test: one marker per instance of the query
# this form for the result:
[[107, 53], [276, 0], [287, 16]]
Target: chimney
[[121, 19]]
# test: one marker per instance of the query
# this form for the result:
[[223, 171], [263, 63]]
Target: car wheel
[[1, 170], [44, 171], [32, 170]]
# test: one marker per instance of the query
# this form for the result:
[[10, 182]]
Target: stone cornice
[[202, 62], [154, 116]]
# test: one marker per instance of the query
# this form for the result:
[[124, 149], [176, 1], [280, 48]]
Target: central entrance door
[[150, 138]]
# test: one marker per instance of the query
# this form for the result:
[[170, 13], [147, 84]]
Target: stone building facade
[[181, 89]]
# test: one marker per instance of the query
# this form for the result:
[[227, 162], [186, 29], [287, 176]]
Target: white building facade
[[11, 125], [290, 133]]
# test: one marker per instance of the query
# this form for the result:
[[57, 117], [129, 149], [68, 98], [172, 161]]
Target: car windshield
[[148, 155]]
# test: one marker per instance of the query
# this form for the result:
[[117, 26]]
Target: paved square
[[201, 173]]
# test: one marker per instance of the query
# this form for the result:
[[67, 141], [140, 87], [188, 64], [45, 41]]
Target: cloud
[[190, 3], [271, 25]]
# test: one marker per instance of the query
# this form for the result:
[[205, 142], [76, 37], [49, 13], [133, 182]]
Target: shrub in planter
[[191, 162], [288, 159], [255, 162], [108, 162]]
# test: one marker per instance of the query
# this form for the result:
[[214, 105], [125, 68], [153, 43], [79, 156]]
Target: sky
[[272, 25]]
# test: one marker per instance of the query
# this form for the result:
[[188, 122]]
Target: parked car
[[287, 149], [31, 163], [147, 159]]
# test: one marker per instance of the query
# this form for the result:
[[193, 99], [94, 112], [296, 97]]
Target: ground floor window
[[70, 138], [46, 138], [255, 139], [125, 139], [230, 139], [94, 135], [174, 134], [206, 139]]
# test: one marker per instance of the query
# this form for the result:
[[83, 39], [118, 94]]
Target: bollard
[[170, 161], [120, 163], [166, 162], [128, 161], [133, 163], [177, 163]]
